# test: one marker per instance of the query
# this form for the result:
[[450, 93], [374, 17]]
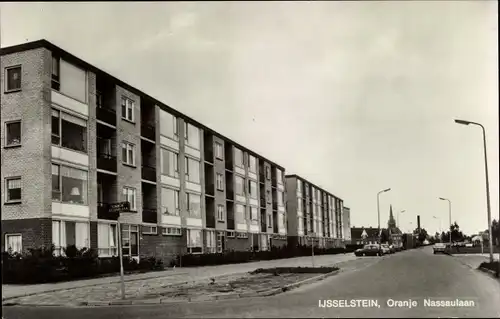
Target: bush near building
[[235, 257], [41, 265]]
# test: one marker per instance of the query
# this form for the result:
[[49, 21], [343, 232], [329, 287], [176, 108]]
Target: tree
[[437, 237], [422, 236], [456, 234], [495, 225]]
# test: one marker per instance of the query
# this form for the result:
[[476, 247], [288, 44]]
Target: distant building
[[346, 225], [395, 233], [363, 236]]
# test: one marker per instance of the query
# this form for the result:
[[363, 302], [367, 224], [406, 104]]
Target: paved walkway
[[169, 277], [474, 260]]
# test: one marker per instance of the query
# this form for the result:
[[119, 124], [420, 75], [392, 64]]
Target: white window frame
[[7, 90], [59, 249], [128, 228], [252, 195], [172, 231], [219, 179], [59, 167], [7, 236], [219, 151], [252, 167], [7, 180], [254, 216], [230, 234], [175, 126], [220, 213], [125, 193], [191, 246], [210, 241], [112, 250], [176, 162], [242, 164], [129, 147], [129, 109], [269, 221], [60, 115], [6, 144], [186, 136], [186, 169], [177, 208], [188, 206]]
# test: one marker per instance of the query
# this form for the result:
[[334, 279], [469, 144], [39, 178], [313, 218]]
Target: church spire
[[391, 223]]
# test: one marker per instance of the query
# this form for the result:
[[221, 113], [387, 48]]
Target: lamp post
[[378, 209], [440, 225], [449, 213], [463, 122]]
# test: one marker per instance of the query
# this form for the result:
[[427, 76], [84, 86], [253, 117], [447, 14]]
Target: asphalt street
[[411, 275]]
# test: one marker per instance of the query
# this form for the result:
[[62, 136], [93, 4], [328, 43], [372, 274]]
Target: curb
[[262, 293]]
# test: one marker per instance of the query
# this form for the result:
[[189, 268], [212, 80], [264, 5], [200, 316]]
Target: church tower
[[391, 224]]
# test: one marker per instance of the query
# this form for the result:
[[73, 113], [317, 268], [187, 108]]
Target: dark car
[[369, 250]]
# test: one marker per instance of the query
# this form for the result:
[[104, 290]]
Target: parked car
[[386, 250], [439, 248], [393, 248], [369, 250]]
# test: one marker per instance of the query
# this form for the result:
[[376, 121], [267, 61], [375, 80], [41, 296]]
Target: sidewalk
[[138, 282], [474, 260]]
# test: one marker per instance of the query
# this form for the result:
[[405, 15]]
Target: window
[[220, 213], [238, 158], [252, 164], [172, 231], [169, 163], [192, 135], [128, 107], [300, 225], [168, 125], [299, 187], [13, 133], [242, 235], [253, 214], [220, 182], [130, 240], [279, 177], [210, 241], [13, 75], [194, 241], [239, 188], [220, 241], [281, 198], [252, 186], [69, 131], [13, 185], [268, 196], [230, 234], [128, 153], [130, 196], [14, 243], [263, 242], [240, 214], [269, 221], [299, 205], [193, 205], [69, 79], [268, 172], [170, 201], [69, 185], [69, 233], [149, 230], [192, 167], [107, 239], [219, 151]]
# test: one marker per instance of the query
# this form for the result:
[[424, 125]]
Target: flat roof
[[83, 64], [316, 186]]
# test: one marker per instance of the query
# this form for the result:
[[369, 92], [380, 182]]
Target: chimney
[[418, 222]]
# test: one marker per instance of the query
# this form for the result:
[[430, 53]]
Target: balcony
[[103, 211], [262, 202], [149, 215], [149, 173], [148, 131], [106, 162], [106, 115]]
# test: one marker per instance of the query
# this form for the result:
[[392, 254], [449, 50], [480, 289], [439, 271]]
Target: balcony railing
[[106, 115], [106, 162], [103, 211], [149, 173], [148, 131], [149, 215]]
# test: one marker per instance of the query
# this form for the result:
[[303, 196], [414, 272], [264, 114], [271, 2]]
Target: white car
[[439, 248]]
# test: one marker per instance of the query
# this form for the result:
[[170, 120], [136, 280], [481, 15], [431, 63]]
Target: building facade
[[346, 224], [314, 215], [76, 139]]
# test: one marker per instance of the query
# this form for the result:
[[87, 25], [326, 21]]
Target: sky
[[356, 97]]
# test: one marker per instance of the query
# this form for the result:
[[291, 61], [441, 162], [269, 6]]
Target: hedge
[[42, 266]]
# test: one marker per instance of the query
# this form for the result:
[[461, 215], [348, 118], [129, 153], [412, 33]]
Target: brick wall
[[162, 247], [36, 232], [238, 244], [31, 161]]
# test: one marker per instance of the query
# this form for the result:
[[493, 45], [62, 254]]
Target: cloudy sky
[[354, 96]]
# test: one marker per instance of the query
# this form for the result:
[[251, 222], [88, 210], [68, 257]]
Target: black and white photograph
[[249, 159]]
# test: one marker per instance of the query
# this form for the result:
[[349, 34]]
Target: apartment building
[[76, 139], [314, 215], [346, 224]]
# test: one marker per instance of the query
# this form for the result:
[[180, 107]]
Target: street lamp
[[440, 225], [463, 122], [378, 208], [449, 212]]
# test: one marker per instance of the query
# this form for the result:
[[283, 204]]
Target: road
[[414, 275]]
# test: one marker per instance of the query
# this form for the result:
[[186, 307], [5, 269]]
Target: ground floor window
[[130, 240], [210, 241], [194, 244], [221, 242], [264, 242], [107, 240], [68, 233], [14, 243]]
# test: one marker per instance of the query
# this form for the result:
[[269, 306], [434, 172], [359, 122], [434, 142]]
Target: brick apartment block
[[75, 139]]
